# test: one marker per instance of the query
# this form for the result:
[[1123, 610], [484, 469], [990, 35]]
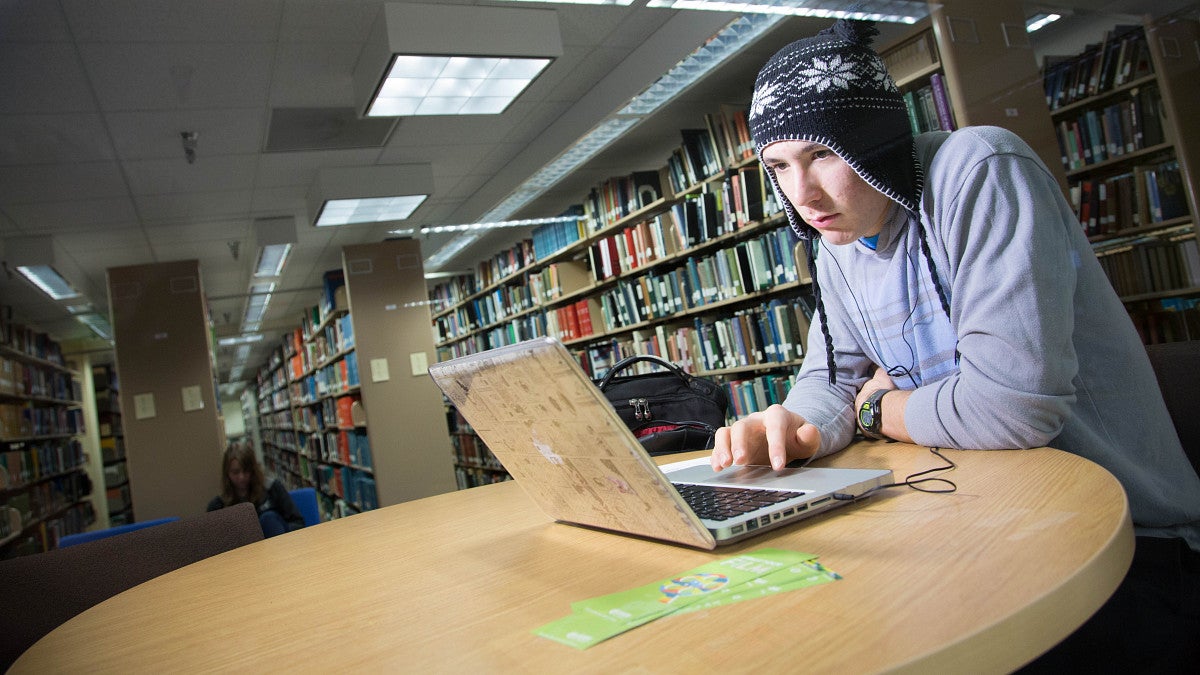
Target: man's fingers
[[776, 424], [721, 456]]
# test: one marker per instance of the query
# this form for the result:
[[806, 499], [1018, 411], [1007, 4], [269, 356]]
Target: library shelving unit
[[171, 416], [44, 482], [112, 444], [1131, 148], [313, 403], [692, 262], [317, 433], [970, 64]]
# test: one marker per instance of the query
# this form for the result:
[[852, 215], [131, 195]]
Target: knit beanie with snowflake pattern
[[833, 89]]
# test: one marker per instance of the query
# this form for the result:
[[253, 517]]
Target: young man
[[960, 304]]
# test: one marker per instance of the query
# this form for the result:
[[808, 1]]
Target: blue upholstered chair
[[306, 501], [73, 539]]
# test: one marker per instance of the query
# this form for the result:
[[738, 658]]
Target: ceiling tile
[[327, 21], [156, 135], [207, 174], [194, 206], [74, 215], [171, 76], [51, 182], [53, 139], [314, 74], [32, 21], [42, 78], [278, 169], [173, 20]]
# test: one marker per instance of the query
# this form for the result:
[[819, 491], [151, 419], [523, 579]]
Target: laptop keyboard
[[715, 502]]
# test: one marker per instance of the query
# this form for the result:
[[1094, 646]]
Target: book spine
[[941, 102]]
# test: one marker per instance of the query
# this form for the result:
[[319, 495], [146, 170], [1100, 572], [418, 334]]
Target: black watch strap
[[870, 415]]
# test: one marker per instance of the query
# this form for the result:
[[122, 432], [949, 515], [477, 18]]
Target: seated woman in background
[[242, 481]]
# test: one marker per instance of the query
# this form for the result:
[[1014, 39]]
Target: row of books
[[1144, 195], [695, 160], [928, 107], [20, 422], [505, 263], [553, 237], [36, 381], [332, 338], [757, 393], [349, 447], [49, 500], [331, 413], [1169, 320], [572, 321], [1121, 58], [469, 477], [618, 197], [39, 459], [719, 209], [353, 485], [753, 265], [770, 334], [470, 451], [1120, 128], [729, 127], [453, 291], [728, 273], [24, 339], [1151, 265], [330, 379]]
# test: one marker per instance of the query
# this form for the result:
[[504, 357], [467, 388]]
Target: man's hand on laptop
[[774, 436]]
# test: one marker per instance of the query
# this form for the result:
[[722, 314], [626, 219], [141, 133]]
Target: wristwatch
[[870, 415]]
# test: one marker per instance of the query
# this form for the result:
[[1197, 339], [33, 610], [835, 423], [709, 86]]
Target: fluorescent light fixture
[[452, 85], [370, 210], [737, 35], [1040, 20], [50, 281], [98, 323], [271, 260], [525, 222], [368, 194], [617, 3], [256, 305], [411, 65], [894, 11], [274, 238], [245, 338]]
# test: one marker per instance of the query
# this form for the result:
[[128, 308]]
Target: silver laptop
[[561, 440]]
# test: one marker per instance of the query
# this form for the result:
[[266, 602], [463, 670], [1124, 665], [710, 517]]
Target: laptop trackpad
[[747, 476]]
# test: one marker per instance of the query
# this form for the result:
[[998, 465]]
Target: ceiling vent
[[295, 129]]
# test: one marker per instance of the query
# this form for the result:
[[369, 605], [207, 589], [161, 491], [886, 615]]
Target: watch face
[[866, 416]]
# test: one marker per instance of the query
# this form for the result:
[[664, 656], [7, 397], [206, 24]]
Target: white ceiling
[[94, 95]]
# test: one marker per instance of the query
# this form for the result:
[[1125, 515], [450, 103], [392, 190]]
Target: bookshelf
[[44, 481], [172, 424], [112, 445], [969, 65], [1130, 149], [693, 262], [310, 406], [343, 404]]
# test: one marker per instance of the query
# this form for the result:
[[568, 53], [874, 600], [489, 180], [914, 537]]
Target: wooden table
[[981, 580]]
